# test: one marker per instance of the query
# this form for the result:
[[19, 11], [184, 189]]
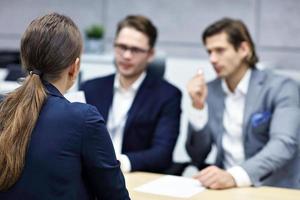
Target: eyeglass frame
[[122, 48]]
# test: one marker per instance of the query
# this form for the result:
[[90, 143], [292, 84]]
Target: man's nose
[[213, 58], [127, 53]]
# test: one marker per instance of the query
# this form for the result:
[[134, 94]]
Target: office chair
[[10, 60], [9, 57], [157, 67], [15, 72]]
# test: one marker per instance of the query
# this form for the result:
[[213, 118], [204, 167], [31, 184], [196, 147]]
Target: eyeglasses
[[122, 48]]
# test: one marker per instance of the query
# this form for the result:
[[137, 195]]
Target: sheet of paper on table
[[173, 186]]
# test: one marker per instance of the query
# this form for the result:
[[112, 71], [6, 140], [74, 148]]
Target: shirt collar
[[242, 86], [134, 87]]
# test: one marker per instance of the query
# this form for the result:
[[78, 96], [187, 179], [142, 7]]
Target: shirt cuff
[[125, 163], [240, 176], [198, 118]]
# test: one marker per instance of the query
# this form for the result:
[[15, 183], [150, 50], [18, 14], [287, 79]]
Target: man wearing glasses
[[142, 111]]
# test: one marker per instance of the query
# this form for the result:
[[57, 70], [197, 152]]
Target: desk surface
[[136, 179]]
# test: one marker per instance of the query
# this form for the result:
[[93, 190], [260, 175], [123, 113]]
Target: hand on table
[[215, 178]]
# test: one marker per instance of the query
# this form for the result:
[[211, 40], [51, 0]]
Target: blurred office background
[[274, 25]]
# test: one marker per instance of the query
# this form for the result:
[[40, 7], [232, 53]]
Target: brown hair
[[140, 23], [237, 33], [50, 44]]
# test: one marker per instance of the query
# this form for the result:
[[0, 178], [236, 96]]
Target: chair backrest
[[15, 72], [103, 65], [157, 67], [9, 57]]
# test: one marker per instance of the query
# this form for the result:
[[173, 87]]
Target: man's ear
[[74, 69], [245, 49], [151, 54]]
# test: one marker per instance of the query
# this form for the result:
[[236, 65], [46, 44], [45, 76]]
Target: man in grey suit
[[251, 116]]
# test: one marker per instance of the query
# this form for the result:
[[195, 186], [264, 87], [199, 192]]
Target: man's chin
[[219, 75], [130, 75], [126, 73]]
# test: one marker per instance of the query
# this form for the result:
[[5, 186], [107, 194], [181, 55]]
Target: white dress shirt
[[232, 140], [122, 101]]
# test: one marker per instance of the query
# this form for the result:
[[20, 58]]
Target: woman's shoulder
[[85, 111], [63, 109]]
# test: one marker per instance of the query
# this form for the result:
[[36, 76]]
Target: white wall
[[274, 24]]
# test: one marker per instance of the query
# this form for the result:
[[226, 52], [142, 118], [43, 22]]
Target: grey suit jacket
[[271, 127]]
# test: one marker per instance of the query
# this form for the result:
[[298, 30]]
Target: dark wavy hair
[[237, 33]]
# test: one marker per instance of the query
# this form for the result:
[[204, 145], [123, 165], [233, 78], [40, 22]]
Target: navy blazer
[[70, 156], [152, 126]]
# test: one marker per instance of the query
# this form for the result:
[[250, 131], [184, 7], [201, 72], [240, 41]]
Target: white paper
[[173, 186], [77, 96]]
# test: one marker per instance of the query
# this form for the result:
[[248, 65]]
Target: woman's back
[[51, 148], [70, 150]]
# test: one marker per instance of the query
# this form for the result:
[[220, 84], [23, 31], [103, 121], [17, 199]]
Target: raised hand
[[197, 90]]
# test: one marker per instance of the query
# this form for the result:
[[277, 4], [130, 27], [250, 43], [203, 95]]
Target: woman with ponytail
[[51, 148]]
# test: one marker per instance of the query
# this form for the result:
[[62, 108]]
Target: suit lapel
[[107, 97], [138, 101], [252, 97], [218, 105]]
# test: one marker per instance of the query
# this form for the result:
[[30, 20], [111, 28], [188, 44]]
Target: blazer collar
[[134, 87], [257, 80], [217, 101], [106, 101], [52, 90], [140, 98]]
